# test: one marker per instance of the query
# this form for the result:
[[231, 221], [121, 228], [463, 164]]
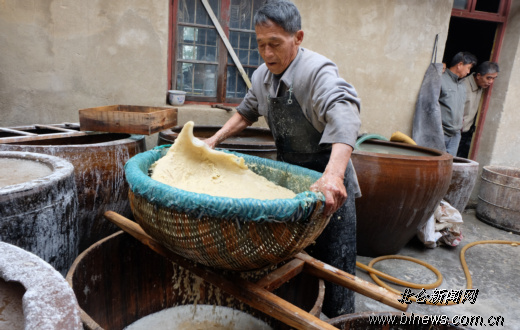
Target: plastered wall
[[61, 56], [500, 137], [383, 48]]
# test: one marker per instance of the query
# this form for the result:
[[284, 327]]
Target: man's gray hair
[[281, 12], [487, 67]]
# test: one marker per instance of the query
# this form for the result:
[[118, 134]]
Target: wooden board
[[20, 134], [130, 119]]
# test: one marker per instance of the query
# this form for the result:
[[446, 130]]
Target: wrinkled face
[[462, 70], [484, 81], [276, 46]]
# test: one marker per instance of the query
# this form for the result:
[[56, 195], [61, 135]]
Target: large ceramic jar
[[401, 185]]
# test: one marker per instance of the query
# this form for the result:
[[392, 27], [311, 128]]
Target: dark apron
[[298, 143]]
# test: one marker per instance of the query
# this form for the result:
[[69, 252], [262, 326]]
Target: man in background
[[483, 77], [453, 97]]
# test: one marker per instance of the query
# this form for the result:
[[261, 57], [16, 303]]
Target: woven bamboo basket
[[228, 233]]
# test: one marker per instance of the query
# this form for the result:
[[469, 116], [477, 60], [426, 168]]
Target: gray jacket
[[451, 100], [327, 100]]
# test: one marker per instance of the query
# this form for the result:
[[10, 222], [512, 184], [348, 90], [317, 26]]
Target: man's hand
[[334, 190], [331, 182], [211, 141], [234, 125]]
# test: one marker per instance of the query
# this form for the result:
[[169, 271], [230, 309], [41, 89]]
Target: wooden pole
[[337, 276], [226, 42]]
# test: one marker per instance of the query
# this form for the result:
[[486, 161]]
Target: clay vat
[[38, 209], [463, 179], [362, 321], [98, 161], [256, 141], [118, 280], [499, 196], [48, 301], [401, 185]]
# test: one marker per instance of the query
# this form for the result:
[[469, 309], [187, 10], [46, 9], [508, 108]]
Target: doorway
[[477, 26], [474, 36]]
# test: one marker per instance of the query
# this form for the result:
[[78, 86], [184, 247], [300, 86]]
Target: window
[[490, 10], [201, 65]]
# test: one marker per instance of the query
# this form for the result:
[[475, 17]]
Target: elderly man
[[314, 117], [483, 77], [453, 97]]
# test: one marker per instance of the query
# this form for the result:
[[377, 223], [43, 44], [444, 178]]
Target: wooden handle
[[247, 292], [337, 276]]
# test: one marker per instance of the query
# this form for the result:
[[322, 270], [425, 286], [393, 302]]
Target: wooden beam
[[9, 130], [278, 277], [56, 128], [339, 277]]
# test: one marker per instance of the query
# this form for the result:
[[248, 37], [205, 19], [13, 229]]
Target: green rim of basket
[[197, 205]]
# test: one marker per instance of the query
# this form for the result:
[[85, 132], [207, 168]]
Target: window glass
[[460, 4], [246, 48], [193, 12], [490, 6], [242, 12], [236, 86], [242, 38], [197, 48], [197, 44], [197, 79]]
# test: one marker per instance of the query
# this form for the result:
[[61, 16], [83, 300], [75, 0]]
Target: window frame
[[471, 12], [222, 53]]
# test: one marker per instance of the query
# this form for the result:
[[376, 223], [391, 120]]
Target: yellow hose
[[374, 273]]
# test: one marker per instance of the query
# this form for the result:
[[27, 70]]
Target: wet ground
[[494, 270]]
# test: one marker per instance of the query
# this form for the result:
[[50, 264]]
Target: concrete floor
[[494, 270]]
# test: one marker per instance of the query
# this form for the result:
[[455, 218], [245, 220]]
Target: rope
[[374, 273]]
